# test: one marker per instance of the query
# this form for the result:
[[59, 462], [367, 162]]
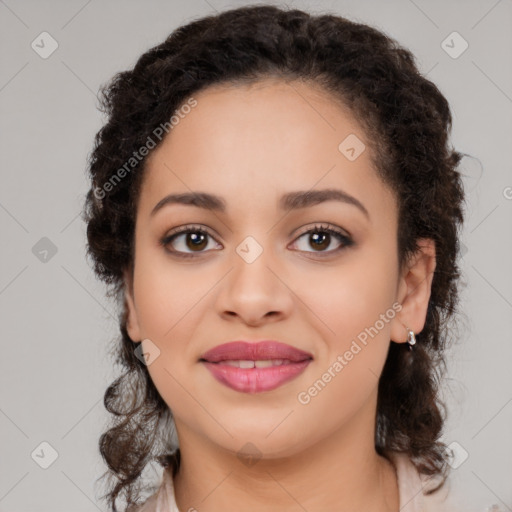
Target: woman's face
[[264, 271]]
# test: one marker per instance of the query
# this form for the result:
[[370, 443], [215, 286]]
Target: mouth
[[255, 367], [243, 351], [249, 363]]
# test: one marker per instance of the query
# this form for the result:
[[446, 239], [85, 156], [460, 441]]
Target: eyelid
[[324, 226], [187, 228]]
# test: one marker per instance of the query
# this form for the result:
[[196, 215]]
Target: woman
[[275, 205]]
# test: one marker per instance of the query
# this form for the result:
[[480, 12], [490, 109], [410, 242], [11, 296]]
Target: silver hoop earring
[[411, 338]]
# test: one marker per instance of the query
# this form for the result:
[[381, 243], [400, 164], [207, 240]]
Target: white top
[[411, 487]]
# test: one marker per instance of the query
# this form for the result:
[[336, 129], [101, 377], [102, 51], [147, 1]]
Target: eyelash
[[318, 228]]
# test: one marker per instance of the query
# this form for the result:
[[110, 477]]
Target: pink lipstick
[[255, 367]]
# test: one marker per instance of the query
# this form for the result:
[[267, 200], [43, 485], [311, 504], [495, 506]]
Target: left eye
[[320, 237]]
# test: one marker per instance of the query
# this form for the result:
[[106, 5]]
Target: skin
[[250, 145]]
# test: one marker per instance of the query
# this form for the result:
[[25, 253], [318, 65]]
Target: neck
[[342, 472]]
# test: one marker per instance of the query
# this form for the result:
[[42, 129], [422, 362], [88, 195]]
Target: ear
[[414, 290], [132, 323]]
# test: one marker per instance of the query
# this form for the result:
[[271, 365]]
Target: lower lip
[[255, 380]]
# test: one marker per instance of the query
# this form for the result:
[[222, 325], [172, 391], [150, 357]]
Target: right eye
[[186, 241]]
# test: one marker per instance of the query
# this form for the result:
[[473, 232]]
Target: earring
[[411, 339]]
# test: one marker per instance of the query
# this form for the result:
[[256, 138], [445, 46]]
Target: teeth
[[270, 362], [257, 364]]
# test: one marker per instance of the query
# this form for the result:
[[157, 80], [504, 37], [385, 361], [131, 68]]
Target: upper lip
[[250, 351]]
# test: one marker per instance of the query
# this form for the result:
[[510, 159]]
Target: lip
[[255, 380], [263, 350]]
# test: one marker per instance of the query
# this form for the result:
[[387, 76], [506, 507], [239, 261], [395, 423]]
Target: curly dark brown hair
[[408, 122]]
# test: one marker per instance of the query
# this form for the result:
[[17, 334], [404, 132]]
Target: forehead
[[254, 142]]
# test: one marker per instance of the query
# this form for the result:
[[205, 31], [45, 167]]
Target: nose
[[255, 292]]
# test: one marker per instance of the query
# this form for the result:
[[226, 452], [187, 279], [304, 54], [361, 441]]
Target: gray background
[[56, 323]]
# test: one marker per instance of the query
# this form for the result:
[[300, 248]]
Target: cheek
[[351, 359], [168, 294], [170, 306], [351, 299], [353, 313], [172, 302]]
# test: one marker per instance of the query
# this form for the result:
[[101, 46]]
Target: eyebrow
[[289, 201]]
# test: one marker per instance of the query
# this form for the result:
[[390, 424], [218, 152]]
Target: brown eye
[[186, 241], [195, 240], [320, 238]]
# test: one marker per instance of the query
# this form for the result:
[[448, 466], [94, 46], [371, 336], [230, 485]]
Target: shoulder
[[157, 501], [163, 499], [414, 489], [150, 505]]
